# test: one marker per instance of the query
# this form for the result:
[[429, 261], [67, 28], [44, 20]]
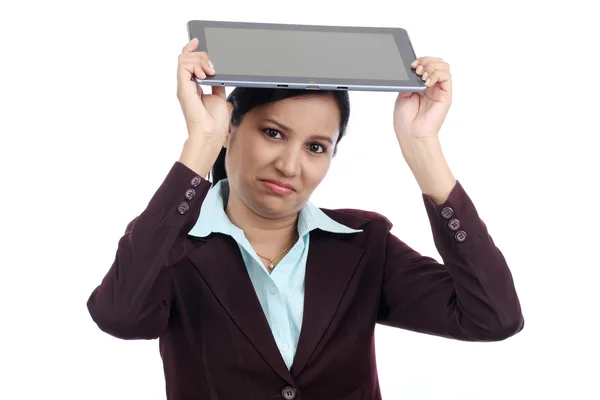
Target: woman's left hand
[[419, 115]]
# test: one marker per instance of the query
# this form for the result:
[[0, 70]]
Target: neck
[[277, 232]]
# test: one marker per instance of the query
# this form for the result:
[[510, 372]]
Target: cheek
[[244, 155], [316, 171]]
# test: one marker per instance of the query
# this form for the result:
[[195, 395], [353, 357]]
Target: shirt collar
[[213, 218]]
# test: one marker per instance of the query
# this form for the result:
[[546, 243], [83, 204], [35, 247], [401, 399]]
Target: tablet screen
[[266, 52]]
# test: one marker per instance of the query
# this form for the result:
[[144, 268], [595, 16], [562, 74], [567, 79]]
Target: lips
[[278, 188], [279, 183]]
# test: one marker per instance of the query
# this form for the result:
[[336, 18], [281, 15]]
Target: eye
[[317, 148], [272, 133]]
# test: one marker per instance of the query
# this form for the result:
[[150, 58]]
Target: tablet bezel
[[407, 54]]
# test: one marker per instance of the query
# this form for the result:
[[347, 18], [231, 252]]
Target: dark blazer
[[196, 296]]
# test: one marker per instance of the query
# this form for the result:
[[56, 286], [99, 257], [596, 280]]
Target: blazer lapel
[[220, 263], [329, 267]]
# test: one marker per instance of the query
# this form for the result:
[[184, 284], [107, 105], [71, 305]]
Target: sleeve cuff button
[[460, 236], [447, 212], [190, 193], [454, 224], [196, 181], [183, 208]]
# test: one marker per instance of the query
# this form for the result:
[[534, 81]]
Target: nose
[[288, 162]]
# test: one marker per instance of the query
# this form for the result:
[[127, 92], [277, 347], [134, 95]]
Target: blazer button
[[447, 212], [183, 208], [190, 193], [460, 236], [454, 224], [289, 393], [196, 181]]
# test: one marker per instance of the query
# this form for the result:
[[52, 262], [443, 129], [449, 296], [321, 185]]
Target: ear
[[231, 127], [228, 137]]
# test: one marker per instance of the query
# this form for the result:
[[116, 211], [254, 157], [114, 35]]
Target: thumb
[[404, 95], [191, 46]]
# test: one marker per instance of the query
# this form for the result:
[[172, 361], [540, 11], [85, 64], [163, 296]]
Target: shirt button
[[183, 208], [273, 289], [284, 347]]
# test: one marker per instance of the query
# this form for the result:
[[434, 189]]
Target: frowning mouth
[[278, 187]]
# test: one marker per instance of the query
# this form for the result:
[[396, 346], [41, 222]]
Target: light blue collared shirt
[[281, 293]]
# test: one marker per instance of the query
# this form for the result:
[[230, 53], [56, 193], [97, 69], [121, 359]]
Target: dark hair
[[244, 99]]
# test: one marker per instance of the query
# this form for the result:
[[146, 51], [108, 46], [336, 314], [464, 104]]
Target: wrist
[[200, 156], [426, 160], [419, 147]]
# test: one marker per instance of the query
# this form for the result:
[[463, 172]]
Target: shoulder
[[359, 219]]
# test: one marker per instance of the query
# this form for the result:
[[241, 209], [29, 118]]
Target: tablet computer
[[251, 54]]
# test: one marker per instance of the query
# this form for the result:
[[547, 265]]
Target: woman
[[254, 292]]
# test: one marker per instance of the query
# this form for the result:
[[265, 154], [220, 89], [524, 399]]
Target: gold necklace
[[271, 265]]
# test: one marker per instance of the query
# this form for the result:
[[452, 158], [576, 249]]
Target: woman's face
[[281, 152]]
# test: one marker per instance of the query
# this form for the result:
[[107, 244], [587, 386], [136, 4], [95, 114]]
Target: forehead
[[313, 112]]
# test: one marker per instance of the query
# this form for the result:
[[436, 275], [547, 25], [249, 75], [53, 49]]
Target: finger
[[193, 55], [425, 60], [443, 78], [188, 88], [435, 65], [418, 61], [219, 91], [195, 70], [427, 69], [204, 62], [185, 81], [191, 46], [431, 66], [404, 95], [421, 63], [200, 70]]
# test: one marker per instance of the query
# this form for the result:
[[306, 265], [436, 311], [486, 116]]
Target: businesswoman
[[256, 293]]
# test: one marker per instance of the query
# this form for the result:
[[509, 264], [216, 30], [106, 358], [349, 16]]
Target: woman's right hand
[[207, 116]]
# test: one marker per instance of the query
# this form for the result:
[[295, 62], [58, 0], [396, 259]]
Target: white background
[[90, 126]]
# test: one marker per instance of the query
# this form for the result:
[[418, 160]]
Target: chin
[[264, 202], [270, 205]]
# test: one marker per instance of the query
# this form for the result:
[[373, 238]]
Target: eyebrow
[[287, 128]]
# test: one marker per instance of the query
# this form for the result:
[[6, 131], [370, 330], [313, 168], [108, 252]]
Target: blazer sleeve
[[470, 297], [133, 300]]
